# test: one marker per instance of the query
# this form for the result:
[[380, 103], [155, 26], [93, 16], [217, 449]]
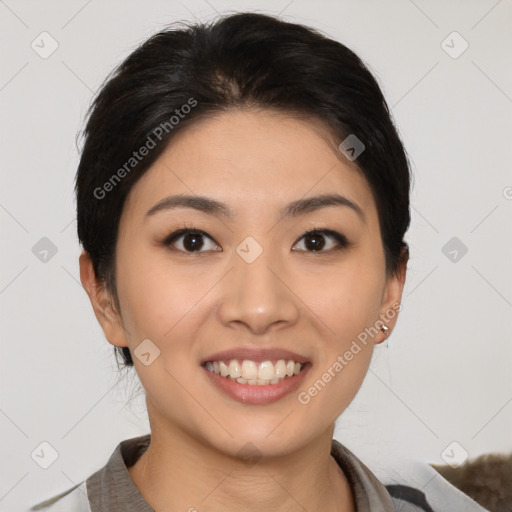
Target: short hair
[[240, 61]]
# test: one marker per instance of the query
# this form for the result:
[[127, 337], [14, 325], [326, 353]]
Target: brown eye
[[315, 240], [192, 240]]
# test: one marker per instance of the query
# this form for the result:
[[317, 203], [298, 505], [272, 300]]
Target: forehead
[[248, 159]]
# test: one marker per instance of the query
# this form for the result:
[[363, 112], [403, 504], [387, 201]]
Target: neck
[[178, 472]]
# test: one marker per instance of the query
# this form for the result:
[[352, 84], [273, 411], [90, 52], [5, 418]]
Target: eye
[[314, 240], [192, 240]]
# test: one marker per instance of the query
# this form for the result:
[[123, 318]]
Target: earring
[[385, 330]]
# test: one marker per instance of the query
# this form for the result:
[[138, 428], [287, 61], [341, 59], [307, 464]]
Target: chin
[[261, 440]]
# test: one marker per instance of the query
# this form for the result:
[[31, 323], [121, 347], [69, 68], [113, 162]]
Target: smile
[[253, 373], [256, 383]]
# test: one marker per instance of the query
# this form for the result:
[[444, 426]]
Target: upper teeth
[[250, 372]]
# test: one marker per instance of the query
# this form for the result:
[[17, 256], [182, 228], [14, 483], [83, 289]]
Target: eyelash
[[342, 241]]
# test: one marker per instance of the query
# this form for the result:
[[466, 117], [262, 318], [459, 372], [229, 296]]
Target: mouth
[[256, 376], [254, 373]]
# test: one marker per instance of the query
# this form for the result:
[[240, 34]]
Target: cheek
[[335, 383], [348, 305], [348, 301], [156, 297]]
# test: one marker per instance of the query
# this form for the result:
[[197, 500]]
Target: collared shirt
[[111, 489]]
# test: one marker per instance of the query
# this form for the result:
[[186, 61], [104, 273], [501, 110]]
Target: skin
[[192, 305]]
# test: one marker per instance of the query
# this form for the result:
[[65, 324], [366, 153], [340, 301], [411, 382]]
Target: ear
[[102, 303], [392, 297]]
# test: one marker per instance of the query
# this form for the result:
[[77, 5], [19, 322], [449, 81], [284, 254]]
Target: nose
[[257, 297]]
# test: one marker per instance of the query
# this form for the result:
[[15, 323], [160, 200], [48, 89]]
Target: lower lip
[[257, 393]]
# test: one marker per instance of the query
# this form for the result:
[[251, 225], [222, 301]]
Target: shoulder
[[75, 499], [108, 485], [418, 483], [402, 485], [370, 493]]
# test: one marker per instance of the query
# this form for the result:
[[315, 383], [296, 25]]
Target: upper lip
[[258, 355]]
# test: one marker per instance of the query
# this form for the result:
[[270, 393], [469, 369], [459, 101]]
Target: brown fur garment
[[487, 480]]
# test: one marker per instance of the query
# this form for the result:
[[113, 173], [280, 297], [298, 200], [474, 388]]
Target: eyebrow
[[294, 209]]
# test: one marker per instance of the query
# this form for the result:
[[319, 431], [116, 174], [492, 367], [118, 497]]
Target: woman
[[242, 201]]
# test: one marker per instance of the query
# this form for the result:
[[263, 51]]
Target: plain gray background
[[445, 374]]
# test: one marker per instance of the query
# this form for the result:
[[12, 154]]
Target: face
[[249, 281]]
